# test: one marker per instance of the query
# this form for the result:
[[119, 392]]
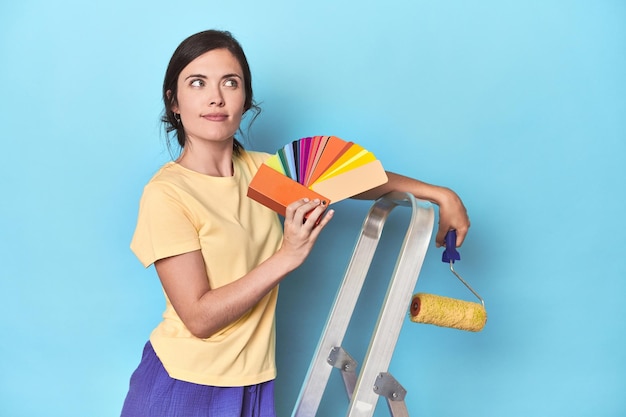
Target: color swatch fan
[[323, 167]]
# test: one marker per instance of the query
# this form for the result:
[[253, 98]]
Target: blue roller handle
[[450, 254]]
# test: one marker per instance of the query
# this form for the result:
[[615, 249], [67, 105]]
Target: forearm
[[452, 212], [424, 191], [219, 307], [205, 310]]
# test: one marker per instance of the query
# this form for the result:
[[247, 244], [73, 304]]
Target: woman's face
[[211, 97]]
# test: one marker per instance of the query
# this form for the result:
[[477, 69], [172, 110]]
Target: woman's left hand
[[452, 216]]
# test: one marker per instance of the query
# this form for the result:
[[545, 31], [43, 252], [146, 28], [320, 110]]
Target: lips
[[215, 117]]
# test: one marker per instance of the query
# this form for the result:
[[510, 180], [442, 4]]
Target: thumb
[[440, 238]]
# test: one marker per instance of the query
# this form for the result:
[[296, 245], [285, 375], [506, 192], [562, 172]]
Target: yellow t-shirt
[[182, 211]]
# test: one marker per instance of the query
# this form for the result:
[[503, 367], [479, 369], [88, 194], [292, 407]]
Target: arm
[[452, 212], [204, 310]]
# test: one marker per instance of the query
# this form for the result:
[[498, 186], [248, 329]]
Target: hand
[[452, 216], [304, 220]]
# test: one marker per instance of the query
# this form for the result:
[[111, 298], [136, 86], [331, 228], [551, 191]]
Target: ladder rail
[[347, 296], [393, 312], [345, 301]]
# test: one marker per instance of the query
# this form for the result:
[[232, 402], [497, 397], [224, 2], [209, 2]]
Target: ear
[[173, 103]]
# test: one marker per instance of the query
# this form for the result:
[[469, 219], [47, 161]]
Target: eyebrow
[[205, 77]]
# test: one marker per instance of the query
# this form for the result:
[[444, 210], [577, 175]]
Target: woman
[[219, 255]]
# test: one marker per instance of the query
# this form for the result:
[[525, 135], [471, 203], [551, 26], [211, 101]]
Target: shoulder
[[253, 159], [169, 172], [257, 157], [169, 180]]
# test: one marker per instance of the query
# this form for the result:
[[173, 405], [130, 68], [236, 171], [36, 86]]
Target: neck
[[216, 161]]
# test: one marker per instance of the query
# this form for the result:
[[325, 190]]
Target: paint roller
[[445, 311]]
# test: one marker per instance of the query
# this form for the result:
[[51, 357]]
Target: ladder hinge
[[340, 359], [387, 386]]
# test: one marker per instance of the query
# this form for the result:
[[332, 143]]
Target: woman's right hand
[[304, 220]]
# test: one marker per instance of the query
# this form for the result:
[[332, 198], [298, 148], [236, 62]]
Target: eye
[[197, 83], [231, 82]]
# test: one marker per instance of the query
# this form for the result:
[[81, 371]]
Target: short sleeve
[[164, 226]]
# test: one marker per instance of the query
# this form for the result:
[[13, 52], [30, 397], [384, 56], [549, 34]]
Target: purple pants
[[153, 393]]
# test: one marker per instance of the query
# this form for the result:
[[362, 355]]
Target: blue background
[[519, 106]]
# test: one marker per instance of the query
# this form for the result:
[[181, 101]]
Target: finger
[[292, 209], [314, 217], [310, 212], [460, 236], [461, 233], [440, 239], [328, 215]]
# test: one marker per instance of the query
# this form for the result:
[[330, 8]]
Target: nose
[[215, 97]]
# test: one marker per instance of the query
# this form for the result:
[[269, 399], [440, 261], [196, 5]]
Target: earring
[[177, 118]]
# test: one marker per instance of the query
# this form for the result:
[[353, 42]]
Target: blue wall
[[518, 106]]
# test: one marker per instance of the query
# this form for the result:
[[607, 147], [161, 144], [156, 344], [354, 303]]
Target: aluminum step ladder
[[373, 380]]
